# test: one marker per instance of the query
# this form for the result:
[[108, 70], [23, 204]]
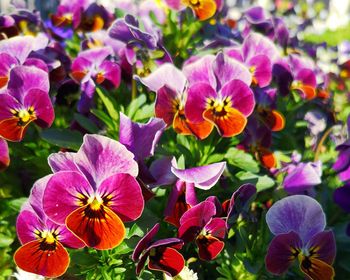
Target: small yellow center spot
[[252, 69], [50, 237], [95, 203]]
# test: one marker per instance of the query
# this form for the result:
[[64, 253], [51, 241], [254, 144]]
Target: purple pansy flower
[[42, 251], [92, 67], [161, 254], [90, 191], [298, 223], [200, 224], [25, 100]]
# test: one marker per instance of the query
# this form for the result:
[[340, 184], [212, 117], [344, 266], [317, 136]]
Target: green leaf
[[135, 230], [104, 117], [135, 105], [63, 138], [262, 182], [109, 103], [86, 123], [5, 240], [242, 160]]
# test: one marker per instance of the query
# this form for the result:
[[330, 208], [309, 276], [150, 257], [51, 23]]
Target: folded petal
[[116, 191], [165, 75], [167, 103], [64, 193], [205, 10], [101, 229], [140, 139], [299, 213], [201, 212], [167, 260], [49, 260], [99, 157], [282, 252], [161, 171], [216, 227], [145, 242], [203, 177]]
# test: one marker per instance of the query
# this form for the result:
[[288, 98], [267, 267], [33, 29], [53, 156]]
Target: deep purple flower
[[42, 251], [161, 254], [342, 164], [25, 100], [298, 223], [199, 224]]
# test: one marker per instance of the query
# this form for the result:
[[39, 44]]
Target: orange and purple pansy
[[25, 100], [162, 255], [43, 240], [90, 191], [298, 223], [219, 93]]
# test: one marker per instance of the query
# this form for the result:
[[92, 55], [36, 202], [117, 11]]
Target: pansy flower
[[90, 191], [170, 85], [43, 240], [219, 93], [92, 68], [258, 53], [183, 196], [25, 100], [298, 223], [162, 255], [203, 9], [342, 164], [200, 224], [4, 155]]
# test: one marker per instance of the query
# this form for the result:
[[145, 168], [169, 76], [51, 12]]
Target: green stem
[[320, 143], [133, 84]]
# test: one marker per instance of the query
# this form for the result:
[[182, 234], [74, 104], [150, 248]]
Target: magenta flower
[[298, 223], [4, 155], [199, 224], [219, 93], [43, 240], [258, 53], [92, 67], [90, 191], [25, 100], [162, 255]]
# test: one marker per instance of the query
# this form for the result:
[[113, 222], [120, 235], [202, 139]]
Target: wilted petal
[[203, 177], [99, 157], [145, 242], [140, 139], [161, 171], [282, 252], [299, 213]]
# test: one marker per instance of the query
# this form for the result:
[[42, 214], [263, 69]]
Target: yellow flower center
[[95, 203], [24, 115], [219, 107]]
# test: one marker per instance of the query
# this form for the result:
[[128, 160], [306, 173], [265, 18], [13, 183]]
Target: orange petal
[[49, 260], [100, 78], [11, 130], [98, 23], [78, 76], [230, 124], [205, 9], [323, 94], [316, 269], [180, 124], [275, 120], [58, 20], [101, 229], [267, 158], [308, 91], [3, 81], [201, 130]]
